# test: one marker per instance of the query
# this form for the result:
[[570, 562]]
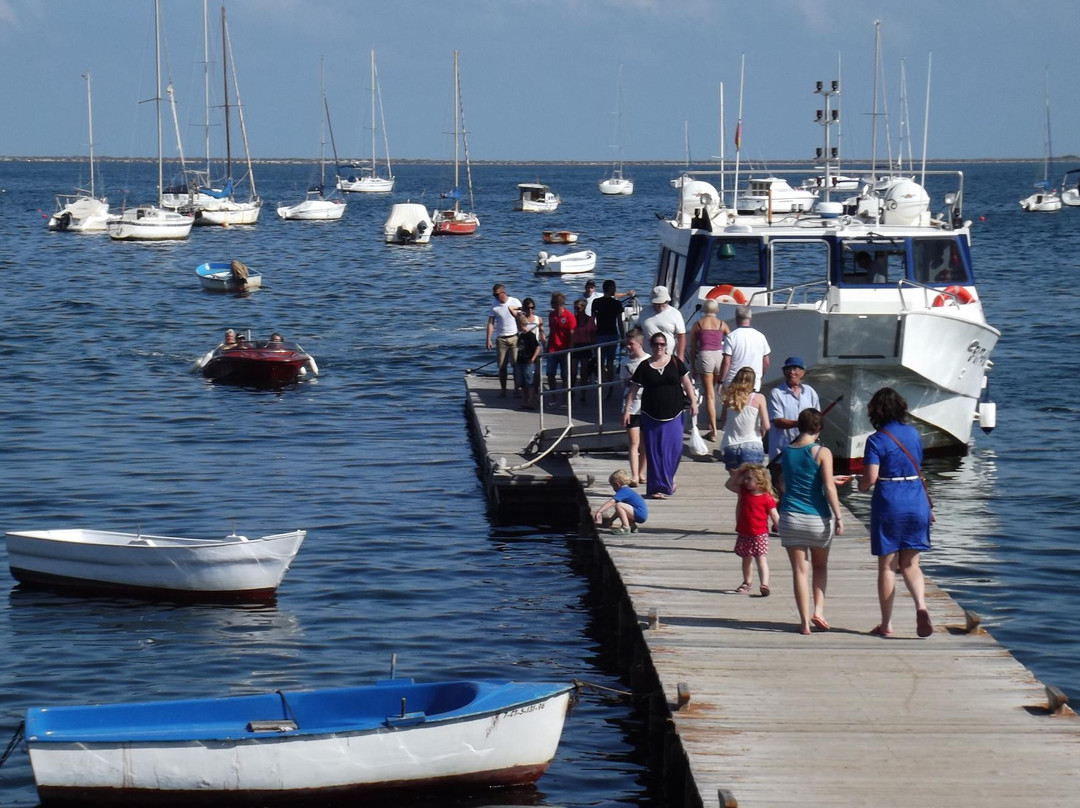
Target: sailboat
[[150, 222], [455, 221], [370, 182], [617, 184], [82, 211], [1045, 198], [219, 206], [316, 206]]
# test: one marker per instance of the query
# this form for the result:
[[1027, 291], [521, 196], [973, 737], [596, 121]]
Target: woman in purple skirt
[[666, 388]]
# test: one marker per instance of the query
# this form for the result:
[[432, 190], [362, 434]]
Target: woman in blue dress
[[900, 508]]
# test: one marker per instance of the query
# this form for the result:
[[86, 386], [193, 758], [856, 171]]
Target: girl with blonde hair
[[706, 356], [745, 416]]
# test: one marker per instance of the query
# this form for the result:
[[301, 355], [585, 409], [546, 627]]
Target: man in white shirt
[[590, 295], [745, 347], [502, 323], [666, 319]]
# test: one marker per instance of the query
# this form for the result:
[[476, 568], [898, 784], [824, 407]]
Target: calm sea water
[[105, 426]]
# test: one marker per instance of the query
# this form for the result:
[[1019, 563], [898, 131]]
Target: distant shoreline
[[704, 166]]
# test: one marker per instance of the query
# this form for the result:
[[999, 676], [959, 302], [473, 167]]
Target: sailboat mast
[[206, 85], [240, 113], [457, 123], [225, 81], [721, 144], [1049, 146], [157, 100], [90, 120], [464, 139], [322, 126], [372, 112], [874, 117]]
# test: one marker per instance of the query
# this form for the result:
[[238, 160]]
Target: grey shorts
[[709, 362]]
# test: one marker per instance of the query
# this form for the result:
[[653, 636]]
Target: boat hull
[[256, 367], [313, 210], [150, 224], [1071, 197], [617, 186], [230, 569], [348, 741], [408, 223], [217, 276], [235, 213], [83, 214], [560, 237], [576, 263], [366, 185], [455, 223], [1041, 203]]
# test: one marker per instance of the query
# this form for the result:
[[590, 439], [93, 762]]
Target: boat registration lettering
[[977, 354], [529, 708]]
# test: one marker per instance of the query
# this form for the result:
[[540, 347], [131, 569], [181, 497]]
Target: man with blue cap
[[786, 401]]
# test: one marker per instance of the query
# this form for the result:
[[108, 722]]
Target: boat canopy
[[224, 193]]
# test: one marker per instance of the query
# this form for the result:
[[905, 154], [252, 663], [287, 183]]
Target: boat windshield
[[736, 261], [864, 264], [939, 260]]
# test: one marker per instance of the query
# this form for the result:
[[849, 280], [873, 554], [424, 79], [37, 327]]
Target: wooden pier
[[751, 713]]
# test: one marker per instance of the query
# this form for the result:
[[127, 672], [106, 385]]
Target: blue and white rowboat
[[218, 276], [394, 736]]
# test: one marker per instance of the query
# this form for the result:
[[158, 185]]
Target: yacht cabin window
[[734, 261], [800, 266], [938, 260], [870, 264]]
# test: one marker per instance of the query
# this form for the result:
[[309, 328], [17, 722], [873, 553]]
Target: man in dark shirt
[[607, 313]]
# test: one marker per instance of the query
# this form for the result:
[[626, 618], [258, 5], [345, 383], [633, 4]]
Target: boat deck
[[759, 715]]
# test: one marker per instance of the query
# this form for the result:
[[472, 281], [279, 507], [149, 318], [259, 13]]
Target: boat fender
[[726, 293], [958, 295], [313, 366]]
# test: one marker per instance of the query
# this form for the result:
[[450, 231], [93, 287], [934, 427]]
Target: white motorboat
[[574, 263], [83, 211], [1045, 199], [147, 222], [874, 292], [369, 181], [394, 740], [773, 195], [316, 207], [617, 184], [455, 221], [230, 568], [536, 198], [408, 223]]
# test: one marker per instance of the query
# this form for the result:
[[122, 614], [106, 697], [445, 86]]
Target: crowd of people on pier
[[783, 477]]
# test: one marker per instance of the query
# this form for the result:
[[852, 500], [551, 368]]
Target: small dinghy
[[218, 276], [232, 568], [560, 237], [260, 363], [573, 263], [394, 738]]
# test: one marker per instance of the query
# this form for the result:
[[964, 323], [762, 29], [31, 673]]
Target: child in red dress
[[756, 509]]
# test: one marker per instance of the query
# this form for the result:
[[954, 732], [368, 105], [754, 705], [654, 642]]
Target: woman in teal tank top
[[807, 513]]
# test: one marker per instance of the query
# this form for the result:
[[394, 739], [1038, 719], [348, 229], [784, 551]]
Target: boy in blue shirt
[[630, 507]]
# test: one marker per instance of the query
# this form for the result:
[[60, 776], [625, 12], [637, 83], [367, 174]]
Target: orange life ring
[[958, 293], [726, 293]]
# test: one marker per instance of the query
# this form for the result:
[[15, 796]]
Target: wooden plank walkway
[[775, 718], [832, 719]]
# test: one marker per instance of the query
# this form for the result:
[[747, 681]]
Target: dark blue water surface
[[105, 426]]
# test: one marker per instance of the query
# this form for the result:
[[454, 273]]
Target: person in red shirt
[[584, 336], [756, 508], [561, 325]]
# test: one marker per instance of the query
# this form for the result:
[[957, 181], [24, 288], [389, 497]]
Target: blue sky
[[539, 76]]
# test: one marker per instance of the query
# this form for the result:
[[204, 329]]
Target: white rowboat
[[231, 568], [574, 263]]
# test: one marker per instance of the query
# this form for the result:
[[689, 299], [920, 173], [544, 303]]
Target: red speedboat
[[262, 363]]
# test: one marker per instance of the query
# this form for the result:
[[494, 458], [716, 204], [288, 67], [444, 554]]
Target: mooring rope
[[593, 686], [13, 743]]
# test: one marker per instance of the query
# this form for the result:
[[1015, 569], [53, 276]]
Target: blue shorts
[[735, 456]]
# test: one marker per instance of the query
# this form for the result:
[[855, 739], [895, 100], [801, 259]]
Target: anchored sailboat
[[82, 211], [617, 184], [456, 222], [370, 182], [1045, 198]]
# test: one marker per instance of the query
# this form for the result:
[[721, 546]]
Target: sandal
[[877, 631], [744, 588], [765, 590], [923, 626], [820, 622]]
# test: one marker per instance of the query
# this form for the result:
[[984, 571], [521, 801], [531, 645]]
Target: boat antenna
[[738, 123], [926, 117], [722, 136]]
